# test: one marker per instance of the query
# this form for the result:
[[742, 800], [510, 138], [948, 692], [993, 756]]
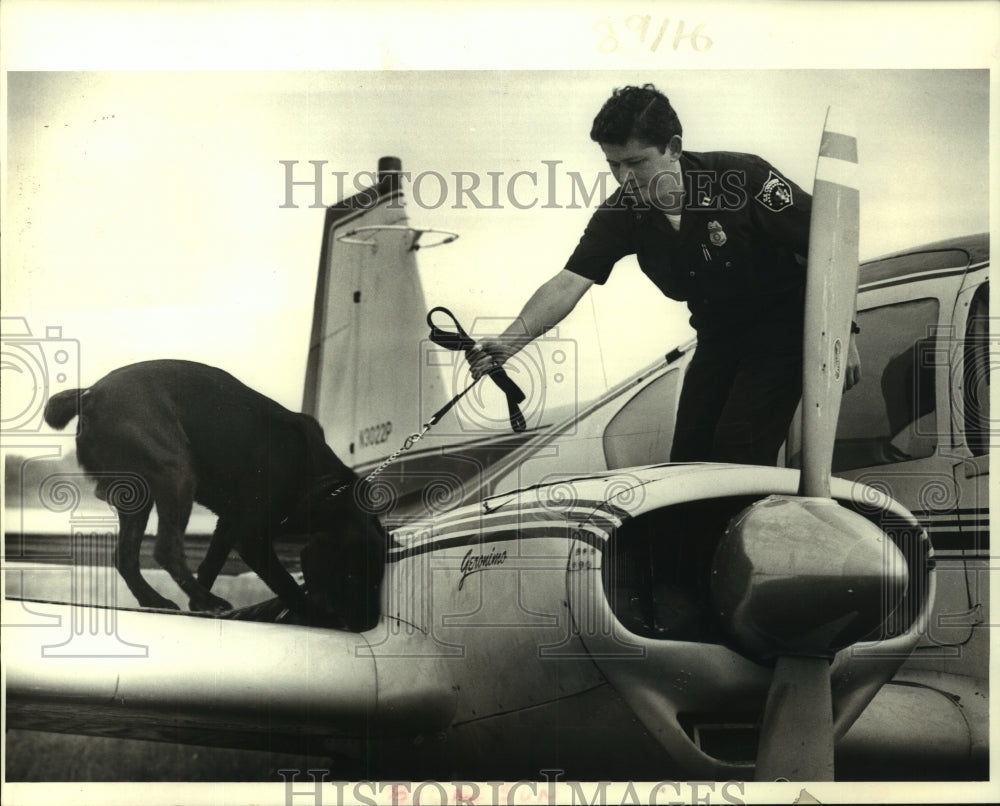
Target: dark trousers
[[740, 393]]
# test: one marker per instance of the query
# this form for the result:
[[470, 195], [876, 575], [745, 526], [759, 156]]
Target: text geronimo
[[474, 563]]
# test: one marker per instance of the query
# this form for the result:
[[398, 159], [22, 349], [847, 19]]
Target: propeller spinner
[[799, 577]]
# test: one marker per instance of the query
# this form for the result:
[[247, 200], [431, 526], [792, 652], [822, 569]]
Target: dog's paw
[[210, 604]]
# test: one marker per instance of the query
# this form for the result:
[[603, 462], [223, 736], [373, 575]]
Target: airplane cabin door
[[903, 429]]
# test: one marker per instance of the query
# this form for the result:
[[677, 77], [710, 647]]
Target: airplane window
[[976, 384], [890, 416], [641, 433]]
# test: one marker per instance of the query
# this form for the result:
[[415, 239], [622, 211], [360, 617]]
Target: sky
[[145, 209]]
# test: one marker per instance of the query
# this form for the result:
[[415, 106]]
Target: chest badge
[[716, 234]]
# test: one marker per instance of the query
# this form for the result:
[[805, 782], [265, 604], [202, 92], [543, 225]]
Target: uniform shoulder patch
[[776, 194]]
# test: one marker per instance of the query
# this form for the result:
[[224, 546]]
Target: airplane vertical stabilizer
[[365, 379]]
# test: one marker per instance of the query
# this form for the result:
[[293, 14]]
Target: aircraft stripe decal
[[581, 523], [953, 514], [909, 278], [960, 541], [482, 523], [591, 537], [553, 525], [957, 530], [581, 509]]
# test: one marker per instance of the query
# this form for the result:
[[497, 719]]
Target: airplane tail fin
[[367, 377]]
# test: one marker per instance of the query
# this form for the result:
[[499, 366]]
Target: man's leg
[[703, 396], [762, 401]]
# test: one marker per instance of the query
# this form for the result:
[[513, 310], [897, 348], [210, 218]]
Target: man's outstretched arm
[[545, 309]]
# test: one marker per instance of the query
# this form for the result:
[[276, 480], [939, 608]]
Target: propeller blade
[[831, 289], [797, 735], [797, 740]]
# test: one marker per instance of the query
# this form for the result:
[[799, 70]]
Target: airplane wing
[[187, 678]]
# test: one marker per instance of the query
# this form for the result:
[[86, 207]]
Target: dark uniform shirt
[[734, 258]]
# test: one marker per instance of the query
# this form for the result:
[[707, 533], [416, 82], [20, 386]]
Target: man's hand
[[489, 354], [853, 373]]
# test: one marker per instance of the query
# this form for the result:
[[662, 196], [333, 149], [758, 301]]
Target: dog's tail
[[63, 407]]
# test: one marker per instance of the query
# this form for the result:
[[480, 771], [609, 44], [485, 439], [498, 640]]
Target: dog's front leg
[[257, 551], [223, 540]]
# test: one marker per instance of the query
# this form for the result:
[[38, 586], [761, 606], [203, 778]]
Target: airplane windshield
[[641, 433]]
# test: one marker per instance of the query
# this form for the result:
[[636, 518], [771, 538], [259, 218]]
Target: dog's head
[[343, 566]]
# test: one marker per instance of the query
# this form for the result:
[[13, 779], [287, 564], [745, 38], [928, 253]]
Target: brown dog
[[195, 433]]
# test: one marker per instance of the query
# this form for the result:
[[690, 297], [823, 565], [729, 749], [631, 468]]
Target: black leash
[[460, 340], [455, 340]]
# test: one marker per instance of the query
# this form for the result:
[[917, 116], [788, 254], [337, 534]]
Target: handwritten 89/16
[[643, 27]]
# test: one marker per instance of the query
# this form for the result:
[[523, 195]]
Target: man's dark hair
[[640, 112]]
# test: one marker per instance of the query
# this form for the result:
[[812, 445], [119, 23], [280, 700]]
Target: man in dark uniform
[[725, 232]]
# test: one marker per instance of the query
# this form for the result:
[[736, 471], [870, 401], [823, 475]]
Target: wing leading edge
[[220, 682]]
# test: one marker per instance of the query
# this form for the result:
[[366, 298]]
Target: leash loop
[[458, 339]]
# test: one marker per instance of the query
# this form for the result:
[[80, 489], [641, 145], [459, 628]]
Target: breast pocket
[[723, 271]]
